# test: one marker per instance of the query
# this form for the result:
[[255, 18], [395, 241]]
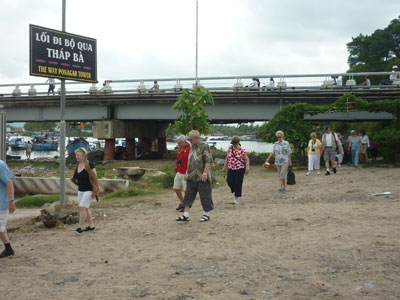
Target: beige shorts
[[3, 219], [283, 171], [179, 182], [364, 148], [84, 198]]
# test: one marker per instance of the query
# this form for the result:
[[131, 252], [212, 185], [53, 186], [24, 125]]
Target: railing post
[[3, 125]]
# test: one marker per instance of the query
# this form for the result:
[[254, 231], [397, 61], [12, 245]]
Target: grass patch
[[36, 201], [146, 186], [100, 171], [169, 168], [132, 191], [137, 192]]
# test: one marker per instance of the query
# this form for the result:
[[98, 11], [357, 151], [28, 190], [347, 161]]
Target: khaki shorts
[[179, 182], [329, 154], [283, 171], [364, 148], [3, 219]]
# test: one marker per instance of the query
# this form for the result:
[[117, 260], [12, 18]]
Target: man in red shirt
[[181, 168]]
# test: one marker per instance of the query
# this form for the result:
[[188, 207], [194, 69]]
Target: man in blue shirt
[[6, 205]]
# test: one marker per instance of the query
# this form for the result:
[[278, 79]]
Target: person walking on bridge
[[198, 177], [330, 146], [6, 206], [52, 86]]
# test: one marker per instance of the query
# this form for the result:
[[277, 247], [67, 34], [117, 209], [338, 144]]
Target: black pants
[[235, 181], [51, 89], [205, 192]]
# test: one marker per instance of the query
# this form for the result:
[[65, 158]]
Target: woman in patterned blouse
[[238, 164]]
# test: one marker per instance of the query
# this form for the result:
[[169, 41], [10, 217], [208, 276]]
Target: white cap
[[395, 67]]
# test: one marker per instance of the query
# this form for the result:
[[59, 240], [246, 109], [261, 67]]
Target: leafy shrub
[[168, 180]]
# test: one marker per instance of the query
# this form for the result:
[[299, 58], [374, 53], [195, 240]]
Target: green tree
[[291, 121], [40, 126], [376, 52], [229, 130], [190, 105]]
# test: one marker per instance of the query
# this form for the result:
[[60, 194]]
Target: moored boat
[[44, 147], [44, 143], [17, 144], [76, 144]]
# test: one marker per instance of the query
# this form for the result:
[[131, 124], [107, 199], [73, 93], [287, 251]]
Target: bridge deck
[[240, 105]]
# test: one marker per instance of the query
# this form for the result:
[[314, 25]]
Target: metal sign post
[[66, 56], [62, 124], [197, 39], [3, 125]]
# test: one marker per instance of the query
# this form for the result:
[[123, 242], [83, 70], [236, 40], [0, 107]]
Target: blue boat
[[17, 144], [44, 147], [76, 144], [44, 143]]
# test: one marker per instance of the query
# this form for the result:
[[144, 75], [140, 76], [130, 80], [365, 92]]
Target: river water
[[249, 146]]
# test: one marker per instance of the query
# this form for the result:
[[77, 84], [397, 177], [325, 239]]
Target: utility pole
[[62, 124], [197, 40]]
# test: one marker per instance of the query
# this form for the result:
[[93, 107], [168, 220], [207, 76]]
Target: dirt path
[[326, 238]]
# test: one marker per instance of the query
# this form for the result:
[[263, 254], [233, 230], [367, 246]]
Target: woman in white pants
[[314, 154]]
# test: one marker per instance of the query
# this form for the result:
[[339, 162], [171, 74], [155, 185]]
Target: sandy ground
[[326, 238]]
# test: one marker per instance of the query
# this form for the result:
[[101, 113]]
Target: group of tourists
[[193, 173], [336, 150]]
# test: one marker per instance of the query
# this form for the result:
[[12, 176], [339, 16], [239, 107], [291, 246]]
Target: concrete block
[[38, 185]]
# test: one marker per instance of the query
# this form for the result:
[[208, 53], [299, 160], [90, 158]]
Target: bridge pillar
[[146, 131], [130, 149], [109, 149], [146, 145], [162, 145]]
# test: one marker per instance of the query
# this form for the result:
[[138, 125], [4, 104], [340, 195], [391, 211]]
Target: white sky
[[156, 39]]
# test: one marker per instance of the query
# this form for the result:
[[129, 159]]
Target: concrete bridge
[[120, 111]]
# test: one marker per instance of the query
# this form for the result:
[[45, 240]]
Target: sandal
[[182, 219], [204, 218], [180, 207]]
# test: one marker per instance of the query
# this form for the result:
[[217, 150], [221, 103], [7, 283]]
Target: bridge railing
[[288, 82]]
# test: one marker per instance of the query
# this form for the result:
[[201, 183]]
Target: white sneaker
[[308, 173], [318, 173], [235, 201]]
